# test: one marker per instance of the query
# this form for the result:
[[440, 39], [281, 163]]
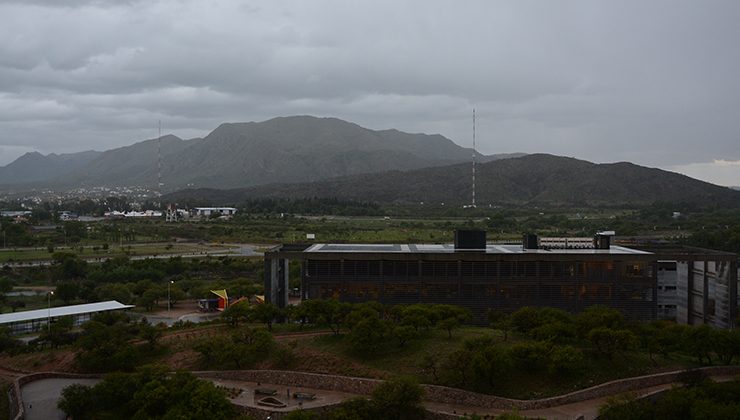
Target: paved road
[[40, 397]]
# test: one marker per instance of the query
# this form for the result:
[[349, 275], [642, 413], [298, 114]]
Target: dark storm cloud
[[650, 82]]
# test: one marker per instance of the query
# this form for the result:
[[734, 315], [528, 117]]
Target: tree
[[237, 312], [149, 298], [301, 414], [77, 401], [608, 341], [500, 321], [450, 317], [366, 336], [564, 360], [327, 312], [399, 399], [599, 316], [58, 332], [265, 313], [429, 364], [404, 334], [6, 285], [114, 291], [150, 392], [67, 291], [355, 409]]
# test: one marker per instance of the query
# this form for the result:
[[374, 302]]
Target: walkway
[[40, 397]]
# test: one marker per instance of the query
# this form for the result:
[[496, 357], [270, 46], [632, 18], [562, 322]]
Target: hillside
[[280, 150], [34, 167], [539, 179]]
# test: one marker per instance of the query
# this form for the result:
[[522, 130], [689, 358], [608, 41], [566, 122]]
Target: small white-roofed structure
[[29, 321]]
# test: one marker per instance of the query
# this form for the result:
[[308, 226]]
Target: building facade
[[498, 277]]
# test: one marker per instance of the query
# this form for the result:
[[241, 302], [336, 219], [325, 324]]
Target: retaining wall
[[441, 394], [364, 386]]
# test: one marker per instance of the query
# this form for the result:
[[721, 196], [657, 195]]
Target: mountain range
[[536, 179], [304, 156], [280, 150]]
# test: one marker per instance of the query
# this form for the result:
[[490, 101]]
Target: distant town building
[[210, 211]]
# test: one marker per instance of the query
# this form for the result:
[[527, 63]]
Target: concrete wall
[[441, 394]]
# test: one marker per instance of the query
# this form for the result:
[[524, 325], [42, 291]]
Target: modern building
[[699, 286], [473, 274], [32, 321], [566, 273]]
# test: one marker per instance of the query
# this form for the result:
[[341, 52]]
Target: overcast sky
[[652, 82]]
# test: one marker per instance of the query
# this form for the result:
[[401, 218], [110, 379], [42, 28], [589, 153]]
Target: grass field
[[93, 252]]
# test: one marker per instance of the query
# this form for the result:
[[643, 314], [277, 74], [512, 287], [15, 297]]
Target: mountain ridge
[[278, 150], [536, 179]]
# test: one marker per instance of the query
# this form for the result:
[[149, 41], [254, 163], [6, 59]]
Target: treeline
[[110, 341], [700, 399], [141, 282], [152, 392]]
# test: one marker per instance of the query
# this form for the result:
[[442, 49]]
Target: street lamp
[[168, 296], [48, 316]]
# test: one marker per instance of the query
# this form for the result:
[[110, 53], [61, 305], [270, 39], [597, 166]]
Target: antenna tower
[[472, 204], [159, 160]]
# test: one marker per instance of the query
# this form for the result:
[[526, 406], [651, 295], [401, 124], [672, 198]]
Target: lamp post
[[48, 315], [168, 296]]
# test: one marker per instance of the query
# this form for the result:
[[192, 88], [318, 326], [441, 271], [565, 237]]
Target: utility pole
[[48, 316]]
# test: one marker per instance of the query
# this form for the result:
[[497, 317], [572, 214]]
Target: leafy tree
[[237, 312], [366, 335], [150, 392], [355, 409], [68, 265], [149, 298], [106, 347], [327, 312], [429, 364], [450, 317], [399, 399], [67, 291], [531, 355], [302, 415], [501, 321], [700, 342], [564, 360], [6, 285], [265, 313], [599, 316], [608, 341], [404, 334], [114, 291], [77, 401], [58, 333]]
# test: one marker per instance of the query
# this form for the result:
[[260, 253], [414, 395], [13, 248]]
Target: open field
[[96, 252]]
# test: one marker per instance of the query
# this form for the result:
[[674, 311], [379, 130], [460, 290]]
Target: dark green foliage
[[150, 392], [236, 313], [302, 415], [244, 348], [330, 312], [703, 400], [355, 409], [107, 343], [609, 342], [265, 313], [399, 399]]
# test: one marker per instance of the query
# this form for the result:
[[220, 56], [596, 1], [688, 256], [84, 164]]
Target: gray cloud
[[650, 82]]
